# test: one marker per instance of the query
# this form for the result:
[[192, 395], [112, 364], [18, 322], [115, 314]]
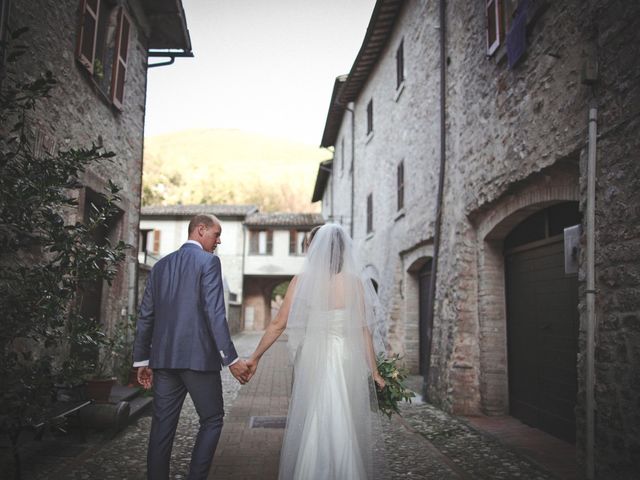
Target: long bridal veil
[[334, 332]]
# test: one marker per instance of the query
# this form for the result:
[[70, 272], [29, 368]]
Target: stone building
[[462, 141], [163, 229], [99, 51], [274, 253]]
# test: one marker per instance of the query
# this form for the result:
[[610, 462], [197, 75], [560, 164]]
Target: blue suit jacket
[[182, 321]]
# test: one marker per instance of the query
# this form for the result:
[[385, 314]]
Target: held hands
[[240, 371], [380, 383], [252, 365], [145, 377]]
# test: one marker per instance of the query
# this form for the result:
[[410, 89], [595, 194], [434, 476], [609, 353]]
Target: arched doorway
[[542, 321]]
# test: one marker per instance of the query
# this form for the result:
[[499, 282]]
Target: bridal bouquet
[[394, 390]]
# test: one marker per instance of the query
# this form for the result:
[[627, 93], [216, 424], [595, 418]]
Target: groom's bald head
[[206, 220], [206, 230]]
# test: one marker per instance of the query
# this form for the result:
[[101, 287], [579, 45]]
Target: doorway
[[542, 322]]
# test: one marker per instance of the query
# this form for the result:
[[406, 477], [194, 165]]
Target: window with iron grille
[[400, 177], [370, 213], [400, 64], [370, 117], [260, 242], [102, 47]]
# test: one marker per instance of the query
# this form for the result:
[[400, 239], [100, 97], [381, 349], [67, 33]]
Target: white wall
[[279, 263], [174, 232]]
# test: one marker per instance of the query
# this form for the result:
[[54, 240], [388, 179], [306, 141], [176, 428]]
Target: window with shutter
[[120, 59], [4, 17], [494, 25], [400, 64], [260, 242], [370, 117], [401, 185], [370, 213], [88, 34]]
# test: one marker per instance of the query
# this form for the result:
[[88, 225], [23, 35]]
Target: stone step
[[138, 406]]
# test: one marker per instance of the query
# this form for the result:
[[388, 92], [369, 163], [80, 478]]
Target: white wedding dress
[[333, 429], [329, 446]]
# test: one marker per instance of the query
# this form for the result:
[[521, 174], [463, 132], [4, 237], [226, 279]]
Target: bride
[[333, 428]]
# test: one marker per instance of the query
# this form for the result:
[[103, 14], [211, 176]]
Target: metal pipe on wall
[[441, 177], [591, 292]]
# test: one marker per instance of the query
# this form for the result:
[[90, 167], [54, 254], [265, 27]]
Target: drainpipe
[[330, 172], [351, 110], [170, 54], [591, 290], [438, 219]]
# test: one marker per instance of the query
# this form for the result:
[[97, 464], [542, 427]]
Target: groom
[[182, 341]]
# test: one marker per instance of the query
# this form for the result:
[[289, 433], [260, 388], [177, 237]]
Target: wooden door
[[542, 332], [425, 326]]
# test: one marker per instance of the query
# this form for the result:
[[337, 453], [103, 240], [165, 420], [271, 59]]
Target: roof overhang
[[375, 40], [169, 33], [324, 171]]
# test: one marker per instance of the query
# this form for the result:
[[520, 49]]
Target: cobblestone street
[[423, 443]]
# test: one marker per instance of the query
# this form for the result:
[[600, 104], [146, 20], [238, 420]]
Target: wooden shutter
[[293, 240], [494, 25], [269, 242], [88, 33], [156, 241], [120, 58]]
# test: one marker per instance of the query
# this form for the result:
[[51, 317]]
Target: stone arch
[[493, 225]]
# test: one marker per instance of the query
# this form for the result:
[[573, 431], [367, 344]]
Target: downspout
[[591, 291], [438, 219], [353, 162]]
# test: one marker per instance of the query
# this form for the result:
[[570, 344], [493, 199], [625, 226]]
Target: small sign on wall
[[571, 248]]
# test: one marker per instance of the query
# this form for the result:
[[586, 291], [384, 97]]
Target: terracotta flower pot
[[100, 389]]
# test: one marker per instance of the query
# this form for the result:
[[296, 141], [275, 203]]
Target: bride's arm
[[275, 328], [368, 343]]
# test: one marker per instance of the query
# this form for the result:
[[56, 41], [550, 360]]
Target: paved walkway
[[425, 443]]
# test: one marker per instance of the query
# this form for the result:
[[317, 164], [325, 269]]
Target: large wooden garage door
[[542, 325]]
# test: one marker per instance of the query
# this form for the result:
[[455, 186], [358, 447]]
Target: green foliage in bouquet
[[394, 390]]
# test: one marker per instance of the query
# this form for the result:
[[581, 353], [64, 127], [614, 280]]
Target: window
[[500, 15], [260, 242], [370, 117], [4, 17], [342, 155], [297, 242], [401, 185], [103, 47], [400, 64], [370, 213], [494, 25]]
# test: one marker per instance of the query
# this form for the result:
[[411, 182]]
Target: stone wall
[[617, 93], [78, 114], [516, 143]]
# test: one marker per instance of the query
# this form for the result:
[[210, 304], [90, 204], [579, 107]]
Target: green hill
[[230, 166]]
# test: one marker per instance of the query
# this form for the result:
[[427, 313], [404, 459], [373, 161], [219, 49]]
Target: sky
[[263, 66]]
